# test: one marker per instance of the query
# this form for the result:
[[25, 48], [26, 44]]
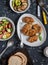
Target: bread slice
[[15, 60], [22, 56]]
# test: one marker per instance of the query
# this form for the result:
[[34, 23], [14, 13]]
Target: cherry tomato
[[0, 22], [10, 25], [3, 30], [1, 36]]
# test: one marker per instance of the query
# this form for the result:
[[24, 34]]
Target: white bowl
[[13, 25], [21, 11], [46, 51]]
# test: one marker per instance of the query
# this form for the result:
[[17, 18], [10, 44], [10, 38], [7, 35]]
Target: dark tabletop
[[36, 53]]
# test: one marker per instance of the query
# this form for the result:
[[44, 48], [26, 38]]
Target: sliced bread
[[22, 56], [15, 60]]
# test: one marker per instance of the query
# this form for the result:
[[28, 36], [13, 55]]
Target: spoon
[[21, 44], [9, 44], [21, 37]]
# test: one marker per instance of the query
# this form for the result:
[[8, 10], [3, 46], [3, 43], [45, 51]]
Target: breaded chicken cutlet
[[32, 39], [25, 28], [28, 20], [37, 28], [31, 32]]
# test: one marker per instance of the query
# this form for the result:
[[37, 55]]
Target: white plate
[[21, 24], [13, 25]]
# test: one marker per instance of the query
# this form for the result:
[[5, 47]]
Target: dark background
[[36, 53]]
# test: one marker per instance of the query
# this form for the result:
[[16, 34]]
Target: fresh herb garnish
[[40, 37]]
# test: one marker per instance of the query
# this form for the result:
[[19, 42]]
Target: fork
[[41, 4]]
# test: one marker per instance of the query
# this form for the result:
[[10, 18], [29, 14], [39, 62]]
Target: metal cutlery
[[21, 44], [38, 9], [44, 17], [41, 4], [44, 11], [9, 44], [21, 37]]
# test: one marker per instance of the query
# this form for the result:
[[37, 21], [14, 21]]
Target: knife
[[38, 9]]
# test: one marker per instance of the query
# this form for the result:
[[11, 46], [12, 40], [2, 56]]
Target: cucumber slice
[[0, 25], [8, 30], [0, 33], [3, 24], [11, 29], [4, 37], [5, 21], [1, 28]]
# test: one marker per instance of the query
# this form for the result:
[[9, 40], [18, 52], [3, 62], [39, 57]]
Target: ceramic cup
[[46, 51]]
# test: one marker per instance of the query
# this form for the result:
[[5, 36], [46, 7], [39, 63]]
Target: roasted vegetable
[[13, 2], [18, 2], [7, 34], [19, 5]]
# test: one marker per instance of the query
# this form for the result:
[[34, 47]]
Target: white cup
[[46, 51]]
